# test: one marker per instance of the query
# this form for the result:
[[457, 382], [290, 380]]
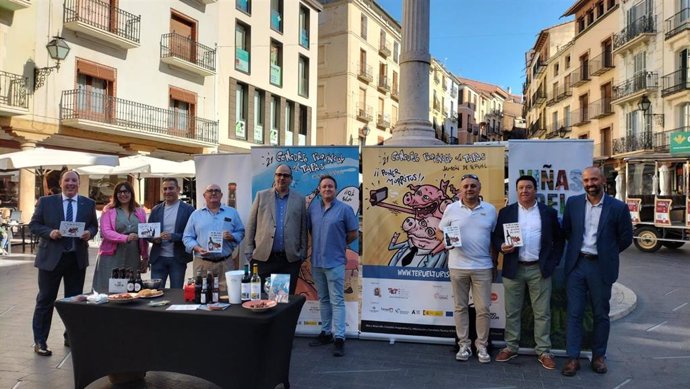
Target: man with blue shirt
[[333, 225], [471, 265], [214, 219], [277, 229], [168, 255]]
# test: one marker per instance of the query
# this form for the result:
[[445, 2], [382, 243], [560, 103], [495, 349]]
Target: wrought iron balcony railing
[[580, 116], [383, 121], [579, 76], [13, 90], [383, 84], [601, 63], [364, 113], [178, 46], [103, 16], [675, 82], [641, 81], [365, 73], [644, 24], [662, 140], [98, 107], [384, 49], [539, 97], [539, 68], [677, 23], [600, 108], [632, 143]]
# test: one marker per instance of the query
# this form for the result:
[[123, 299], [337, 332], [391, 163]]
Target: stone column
[[413, 127], [27, 187]]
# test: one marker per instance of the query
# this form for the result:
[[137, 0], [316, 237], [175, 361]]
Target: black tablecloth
[[235, 348]]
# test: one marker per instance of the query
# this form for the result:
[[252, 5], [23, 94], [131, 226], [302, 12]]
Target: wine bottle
[[209, 290], [244, 291], [204, 291], [130, 282], [197, 288], [138, 283], [255, 284], [215, 292]]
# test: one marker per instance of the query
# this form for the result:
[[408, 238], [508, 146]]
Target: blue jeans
[[330, 284], [582, 282], [165, 266]]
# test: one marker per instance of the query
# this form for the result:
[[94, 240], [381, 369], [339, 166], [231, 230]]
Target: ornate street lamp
[[644, 105], [58, 50]]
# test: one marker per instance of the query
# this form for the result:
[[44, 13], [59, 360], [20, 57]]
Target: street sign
[[680, 142]]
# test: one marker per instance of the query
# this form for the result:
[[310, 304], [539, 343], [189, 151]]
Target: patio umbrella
[[143, 166], [44, 160]]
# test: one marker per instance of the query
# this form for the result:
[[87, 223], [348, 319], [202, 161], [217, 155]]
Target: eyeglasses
[[472, 176], [123, 191], [212, 191], [284, 175]]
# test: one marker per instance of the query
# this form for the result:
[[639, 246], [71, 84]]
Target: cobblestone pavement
[[650, 347]]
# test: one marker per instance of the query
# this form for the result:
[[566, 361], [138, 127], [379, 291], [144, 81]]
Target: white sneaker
[[483, 356], [464, 354]]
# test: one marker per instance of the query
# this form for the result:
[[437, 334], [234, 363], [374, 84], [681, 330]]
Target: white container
[[233, 278]]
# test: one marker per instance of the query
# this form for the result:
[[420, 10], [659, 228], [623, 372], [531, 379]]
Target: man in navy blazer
[[60, 257], [528, 266], [168, 255], [598, 228]]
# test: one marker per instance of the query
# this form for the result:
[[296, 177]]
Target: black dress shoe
[[42, 350]]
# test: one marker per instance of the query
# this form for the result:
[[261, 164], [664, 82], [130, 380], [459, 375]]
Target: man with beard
[[471, 265], [60, 257], [597, 227]]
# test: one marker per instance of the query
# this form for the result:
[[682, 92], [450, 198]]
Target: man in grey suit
[[60, 257], [597, 227], [168, 255], [277, 229]]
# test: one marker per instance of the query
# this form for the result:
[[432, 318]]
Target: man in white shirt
[[472, 265], [528, 266]]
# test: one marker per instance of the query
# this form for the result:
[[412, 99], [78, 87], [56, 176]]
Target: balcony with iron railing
[[641, 83], [436, 105], [539, 97], [539, 68], [601, 64], [13, 5], [14, 96], [633, 143], [95, 111], [602, 150], [600, 108], [364, 113], [635, 33], [364, 73], [662, 139], [537, 128], [453, 92], [187, 54], [383, 121], [103, 21], [675, 82], [383, 85], [677, 24], [395, 93], [579, 76], [384, 48], [580, 117]]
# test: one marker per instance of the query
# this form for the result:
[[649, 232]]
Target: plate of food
[[149, 293], [259, 305], [122, 298]]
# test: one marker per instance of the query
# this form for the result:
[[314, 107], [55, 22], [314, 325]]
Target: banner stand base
[[392, 338]]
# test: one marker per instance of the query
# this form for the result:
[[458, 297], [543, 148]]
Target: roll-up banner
[[308, 164], [557, 166], [406, 292]]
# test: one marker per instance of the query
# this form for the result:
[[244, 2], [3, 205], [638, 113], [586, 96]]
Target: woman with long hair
[[121, 246]]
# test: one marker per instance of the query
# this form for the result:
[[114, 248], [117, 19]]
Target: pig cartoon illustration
[[421, 201], [422, 248]]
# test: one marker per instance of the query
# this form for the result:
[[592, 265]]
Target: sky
[[486, 40]]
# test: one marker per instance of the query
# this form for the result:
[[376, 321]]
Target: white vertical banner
[[556, 165]]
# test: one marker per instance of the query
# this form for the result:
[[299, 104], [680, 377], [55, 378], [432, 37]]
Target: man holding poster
[[471, 265], [597, 227], [528, 266]]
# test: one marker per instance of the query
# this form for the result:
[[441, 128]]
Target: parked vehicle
[[657, 195]]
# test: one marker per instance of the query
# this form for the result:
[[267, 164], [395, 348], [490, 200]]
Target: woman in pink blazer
[[121, 246]]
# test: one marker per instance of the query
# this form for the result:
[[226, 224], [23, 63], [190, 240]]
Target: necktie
[[69, 216], [407, 259]]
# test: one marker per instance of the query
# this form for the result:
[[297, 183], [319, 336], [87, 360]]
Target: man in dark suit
[[168, 255], [60, 257], [277, 229], [597, 227], [528, 264]]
